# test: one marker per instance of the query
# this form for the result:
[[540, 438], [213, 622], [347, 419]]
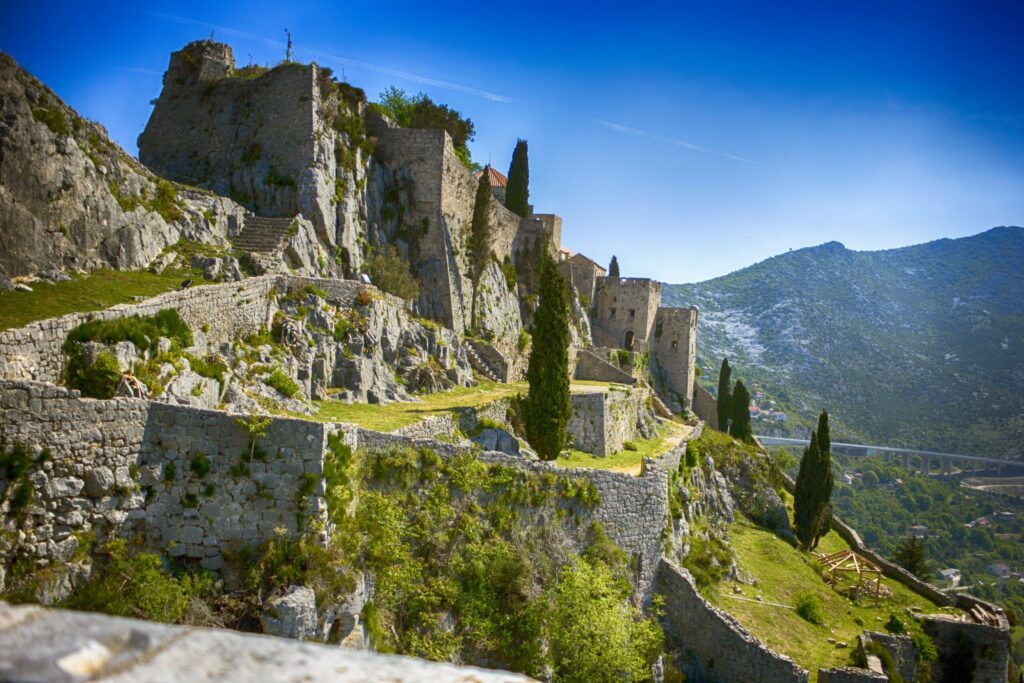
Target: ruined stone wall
[[590, 366], [130, 466], [726, 651], [218, 313], [705, 406], [968, 652], [674, 349], [250, 138], [626, 305], [582, 274], [602, 422]]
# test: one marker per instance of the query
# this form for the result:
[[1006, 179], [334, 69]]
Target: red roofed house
[[498, 183]]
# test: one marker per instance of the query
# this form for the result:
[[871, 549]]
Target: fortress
[[295, 174]]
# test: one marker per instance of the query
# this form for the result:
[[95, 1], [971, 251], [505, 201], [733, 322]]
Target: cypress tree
[[480, 235], [739, 405], [613, 267], [724, 395], [804, 514], [517, 192], [547, 407], [824, 440]]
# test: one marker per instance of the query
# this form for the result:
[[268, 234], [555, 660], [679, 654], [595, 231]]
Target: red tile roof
[[496, 179]]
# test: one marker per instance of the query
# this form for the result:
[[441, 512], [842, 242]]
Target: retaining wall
[[726, 651], [602, 422], [705, 406], [180, 477]]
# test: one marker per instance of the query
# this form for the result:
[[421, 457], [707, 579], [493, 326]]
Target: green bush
[[391, 274], [808, 606], [98, 380], [199, 464], [692, 454], [137, 584], [894, 625], [629, 446], [282, 382]]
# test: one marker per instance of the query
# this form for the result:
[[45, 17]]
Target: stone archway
[[627, 341]]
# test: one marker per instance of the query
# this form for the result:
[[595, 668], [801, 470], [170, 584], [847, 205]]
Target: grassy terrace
[[97, 290], [391, 416], [783, 574], [629, 460]]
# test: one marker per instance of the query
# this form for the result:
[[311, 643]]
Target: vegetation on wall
[[98, 377], [547, 407], [480, 236], [419, 111], [389, 272]]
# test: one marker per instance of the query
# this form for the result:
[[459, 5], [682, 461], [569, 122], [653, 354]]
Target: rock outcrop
[[71, 198]]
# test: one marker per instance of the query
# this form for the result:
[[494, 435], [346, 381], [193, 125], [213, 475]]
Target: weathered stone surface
[[497, 440], [291, 614], [58, 209], [850, 675], [56, 646], [99, 481]]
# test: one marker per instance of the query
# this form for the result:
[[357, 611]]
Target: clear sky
[[690, 139]]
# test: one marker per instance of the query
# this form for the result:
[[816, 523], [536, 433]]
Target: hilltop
[[918, 346]]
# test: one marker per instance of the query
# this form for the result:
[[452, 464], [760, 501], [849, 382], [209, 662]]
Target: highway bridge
[[946, 461]]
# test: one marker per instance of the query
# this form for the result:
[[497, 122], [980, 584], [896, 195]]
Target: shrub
[[894, 625], [98, 380], [524, 340], [138, 585], [282, 383], [391, 274], [170, 471], [808, 606], [199, 464], [629, 446], [692, 455], [211, 367], [53, 118]]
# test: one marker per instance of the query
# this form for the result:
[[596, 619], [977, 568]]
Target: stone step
[[480, 365]]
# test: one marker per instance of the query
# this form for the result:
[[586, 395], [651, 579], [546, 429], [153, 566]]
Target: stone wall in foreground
[[181, 478], [55, 646], [726, 651]]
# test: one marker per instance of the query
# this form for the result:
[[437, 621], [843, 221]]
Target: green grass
[[786, 576], [100, 289], [391, 416], [626, 459]]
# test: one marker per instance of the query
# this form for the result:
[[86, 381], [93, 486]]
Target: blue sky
[[690, 139]]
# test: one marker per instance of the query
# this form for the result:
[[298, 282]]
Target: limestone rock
[[497, 440], [99, 481], [291, 615]]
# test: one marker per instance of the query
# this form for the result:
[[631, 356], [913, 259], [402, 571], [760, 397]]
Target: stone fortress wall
[[603, 421], [625, 308], [674, 350], [124, 467], [250, 138]]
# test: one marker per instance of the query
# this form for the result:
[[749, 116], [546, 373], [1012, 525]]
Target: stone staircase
[[480, 365], [263, 234]]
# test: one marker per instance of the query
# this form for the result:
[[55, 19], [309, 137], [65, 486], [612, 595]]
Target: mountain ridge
[[913, 346]]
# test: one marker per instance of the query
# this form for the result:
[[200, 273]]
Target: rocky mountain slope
[[71, 198], [919, 346]]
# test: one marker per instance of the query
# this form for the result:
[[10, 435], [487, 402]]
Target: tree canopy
[[724, 395], [517, 193], [419, 111], [613, 267]]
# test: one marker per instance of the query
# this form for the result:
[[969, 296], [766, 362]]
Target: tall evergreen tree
[[824, 439], [547, 406], [724, 395], [911, 555], [517, 192], [480, 235], [812, 506], [739, 405], [613, 267], [804, 512]]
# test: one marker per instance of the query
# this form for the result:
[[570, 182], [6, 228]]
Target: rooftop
[[494, 177]]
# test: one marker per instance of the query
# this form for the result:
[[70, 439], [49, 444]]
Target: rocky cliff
[[72, 199]]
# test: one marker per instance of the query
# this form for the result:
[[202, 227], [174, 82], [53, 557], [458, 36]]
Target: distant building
[[919, 531], [980, 521], [582, 273], [1005, 516], [999, 570], [951, 576], [499, 183]]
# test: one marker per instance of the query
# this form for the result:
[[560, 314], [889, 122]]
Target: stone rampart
[[726, 651], [250, 138], [55, 646], [603, 421], [219, 312], [184, 479], [968, 651], [705, 406], [625, 309], [589, 366]]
